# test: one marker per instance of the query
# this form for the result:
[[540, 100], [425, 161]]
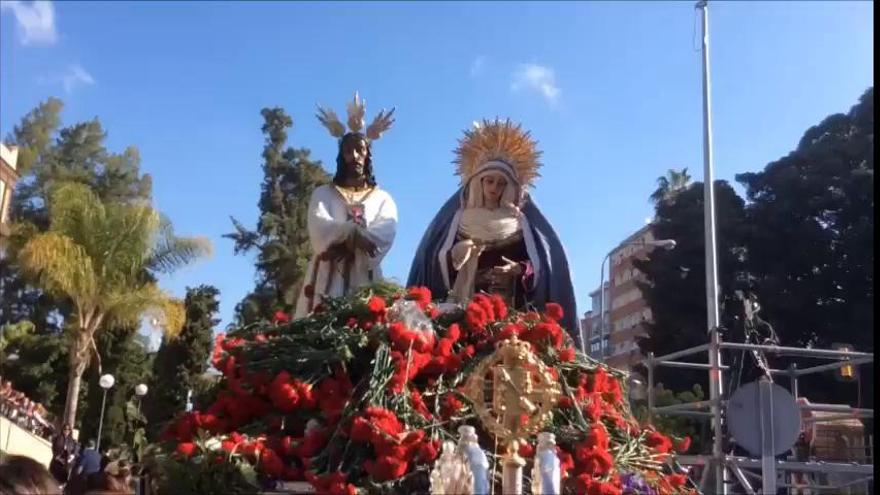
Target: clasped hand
[[355, 241]]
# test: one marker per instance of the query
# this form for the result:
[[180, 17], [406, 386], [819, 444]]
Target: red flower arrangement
[[353, 391]]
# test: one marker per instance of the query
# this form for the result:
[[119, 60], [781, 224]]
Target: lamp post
[[664, 243], [106, 382], [140, 391]]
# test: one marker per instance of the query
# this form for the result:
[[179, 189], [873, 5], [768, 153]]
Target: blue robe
[[554, 279]]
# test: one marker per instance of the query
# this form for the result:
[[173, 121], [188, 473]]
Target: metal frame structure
[[742, 468]]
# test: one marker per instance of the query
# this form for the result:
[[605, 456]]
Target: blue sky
[[611, 91]]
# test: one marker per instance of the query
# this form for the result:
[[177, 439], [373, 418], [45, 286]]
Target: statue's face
[[493, 188], [354, 151]]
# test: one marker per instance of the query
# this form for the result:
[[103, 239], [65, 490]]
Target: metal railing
[[769, 467]]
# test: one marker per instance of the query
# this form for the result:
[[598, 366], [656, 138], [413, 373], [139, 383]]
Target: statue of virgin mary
[[490, 236]]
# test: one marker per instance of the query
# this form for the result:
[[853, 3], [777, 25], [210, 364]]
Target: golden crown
[[356, 108], [498, 140]]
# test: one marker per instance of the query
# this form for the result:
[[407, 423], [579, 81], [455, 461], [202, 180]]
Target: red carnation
[[281, 317], [593, 410], [229, 344], [476, 317], [271, 464], [597, 462], [526, 450], [499, 307], [421, 295], [186, 449], [283, 394], [676, 480], [566, 462], [444, 347], [453, 333], [554, 311], [567, 355], [511, 330], [597, 437], [450, 405], [659, 442], [333, 394], [683, 445], [386, 468], [428, 451], [419, 404], [361, 430], [596, 382], [376, 305]]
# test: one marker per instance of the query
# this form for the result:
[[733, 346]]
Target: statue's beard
[[355, 171]]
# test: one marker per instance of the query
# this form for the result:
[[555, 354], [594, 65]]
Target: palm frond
[[127, 239], [61, 266], [128, 307], [171, 252], [76, 211]]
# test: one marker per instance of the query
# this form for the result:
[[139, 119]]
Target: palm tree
[[670, 185], [103, 258]]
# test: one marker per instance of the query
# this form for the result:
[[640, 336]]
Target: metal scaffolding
[[764, 470]]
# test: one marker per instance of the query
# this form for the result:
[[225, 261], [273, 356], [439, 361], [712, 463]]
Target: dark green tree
[[812, 233], [675, 280], [125, 355], [281, 239], [181, 361], [811, 244]]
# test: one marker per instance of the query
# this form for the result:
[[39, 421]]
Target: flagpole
[[712, 316]]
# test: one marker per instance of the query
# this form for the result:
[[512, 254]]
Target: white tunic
[[329, 224]]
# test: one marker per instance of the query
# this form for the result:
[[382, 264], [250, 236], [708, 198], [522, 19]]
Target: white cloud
[[533, 77], [75, 77], [477, 65], [36, 21]]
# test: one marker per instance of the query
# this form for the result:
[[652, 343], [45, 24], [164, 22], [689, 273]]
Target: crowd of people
[[23, 411], [73, 470], [21, 475]]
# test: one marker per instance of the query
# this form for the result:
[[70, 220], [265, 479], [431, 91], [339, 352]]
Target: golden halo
[[500, 140]]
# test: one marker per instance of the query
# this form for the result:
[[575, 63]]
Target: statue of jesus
[[352, 222]]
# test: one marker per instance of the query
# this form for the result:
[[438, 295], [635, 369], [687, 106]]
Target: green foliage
[[87, 245], [41, 363], [803, 243], [281, 239], [124, 354], [48, 156], [812, 233], [675, 279], [676, 426], [183, 359], [203, 474]]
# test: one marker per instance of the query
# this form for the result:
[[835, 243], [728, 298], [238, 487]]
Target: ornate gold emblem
[[514, 403]]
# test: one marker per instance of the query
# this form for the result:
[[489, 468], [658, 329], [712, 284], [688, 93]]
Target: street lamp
[[106, 382], [637, 388], [140, 391], [667, 244]]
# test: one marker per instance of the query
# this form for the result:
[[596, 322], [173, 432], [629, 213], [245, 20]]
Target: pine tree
[[182, 360], [281, 238]]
